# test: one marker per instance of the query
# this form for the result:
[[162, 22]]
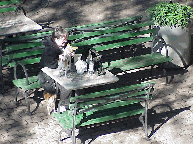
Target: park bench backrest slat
[[23, 54], [9, 2], [137, 62], [106, 24], [114, 37], [36, 35], [120, 44], [26, 61], [23, 46], [8, 9]]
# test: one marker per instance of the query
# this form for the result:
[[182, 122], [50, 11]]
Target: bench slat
[[21, 46], [124, 43], [8, 9], [138, 61], [34, 36], [107, 23], [9, 2], [33, 83], [23, 54], [26, 61]]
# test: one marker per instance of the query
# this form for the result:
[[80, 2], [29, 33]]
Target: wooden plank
[[138, 61], [26, 61], [124, 43], [107, 23], [9, 2], [3, 10], [23, 46]]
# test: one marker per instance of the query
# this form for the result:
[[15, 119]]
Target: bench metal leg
[[59, 138], [144, 117], [28, 105], [165, 73], [68, 132], [16, 94], [151, 71], [73, 132], [2, 82]]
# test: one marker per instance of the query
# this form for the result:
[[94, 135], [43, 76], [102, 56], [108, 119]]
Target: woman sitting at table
[[49, 58]]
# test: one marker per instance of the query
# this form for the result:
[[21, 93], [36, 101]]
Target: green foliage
[[170, 14]]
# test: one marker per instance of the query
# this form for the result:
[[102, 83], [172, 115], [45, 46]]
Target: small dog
[[50, 100], [65, 58]]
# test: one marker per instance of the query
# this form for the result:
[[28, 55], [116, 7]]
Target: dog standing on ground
[[50, 100]]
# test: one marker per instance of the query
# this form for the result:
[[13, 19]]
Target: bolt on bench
[[112, 37]]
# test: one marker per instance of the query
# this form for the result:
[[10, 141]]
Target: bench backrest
[[24, 52], [114, 40], [106, 105], [26, 49], [113, 35]]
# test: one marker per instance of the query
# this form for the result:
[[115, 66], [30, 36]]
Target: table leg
[[66, 100]]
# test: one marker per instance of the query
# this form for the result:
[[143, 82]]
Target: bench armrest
[[24, 69], [20, 8], [157, 39]]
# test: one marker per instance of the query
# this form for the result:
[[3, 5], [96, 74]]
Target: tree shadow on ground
[[162, 117], [73, 17]]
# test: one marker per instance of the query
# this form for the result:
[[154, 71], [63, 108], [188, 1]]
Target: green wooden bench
[[104, 106], [23, 51], [29, 54], [23, 55], [112, 40]]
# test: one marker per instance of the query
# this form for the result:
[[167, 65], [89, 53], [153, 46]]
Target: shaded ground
[[172, 122]]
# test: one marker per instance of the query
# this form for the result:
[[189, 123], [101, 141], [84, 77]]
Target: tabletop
[[17, 24], [74, 81]]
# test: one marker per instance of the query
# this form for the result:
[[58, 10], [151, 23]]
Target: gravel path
[[172, 123]]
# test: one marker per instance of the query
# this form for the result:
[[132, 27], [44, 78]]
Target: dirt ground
[[172, 123]]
